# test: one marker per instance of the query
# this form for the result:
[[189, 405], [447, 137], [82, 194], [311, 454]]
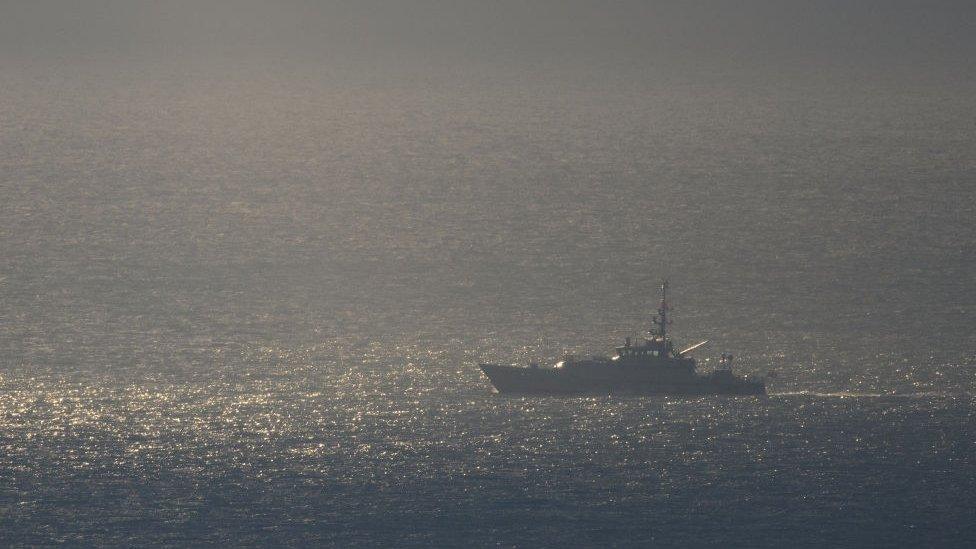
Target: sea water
[[249, 308]]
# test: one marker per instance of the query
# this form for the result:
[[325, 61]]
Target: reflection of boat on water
[[653, 367]]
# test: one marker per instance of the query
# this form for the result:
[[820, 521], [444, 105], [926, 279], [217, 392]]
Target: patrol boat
[[652, 367]]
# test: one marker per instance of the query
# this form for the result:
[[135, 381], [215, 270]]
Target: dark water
[[249, 309]]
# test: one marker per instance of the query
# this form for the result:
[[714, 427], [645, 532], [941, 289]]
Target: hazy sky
[[893, 35]]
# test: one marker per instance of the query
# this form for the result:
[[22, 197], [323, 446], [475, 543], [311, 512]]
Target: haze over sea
[[252, 256]]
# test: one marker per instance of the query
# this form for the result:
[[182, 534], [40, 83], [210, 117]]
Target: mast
[[661, 320]]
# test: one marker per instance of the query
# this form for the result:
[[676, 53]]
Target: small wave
[[854, 394]]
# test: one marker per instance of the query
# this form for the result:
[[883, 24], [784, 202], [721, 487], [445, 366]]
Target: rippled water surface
[[246, 314]]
